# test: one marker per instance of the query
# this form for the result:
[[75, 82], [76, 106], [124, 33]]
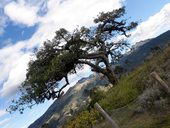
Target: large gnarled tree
[[96, 47]]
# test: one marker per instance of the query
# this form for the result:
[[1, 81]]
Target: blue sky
[[25, 24]]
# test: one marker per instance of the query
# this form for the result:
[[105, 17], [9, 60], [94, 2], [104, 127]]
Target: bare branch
[[95, 67]]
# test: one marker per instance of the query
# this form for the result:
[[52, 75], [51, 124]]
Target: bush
[[95, 96], [85, 119], [45, 125], [152, 99]]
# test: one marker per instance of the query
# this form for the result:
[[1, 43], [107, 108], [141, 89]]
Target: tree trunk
[[110, 75]]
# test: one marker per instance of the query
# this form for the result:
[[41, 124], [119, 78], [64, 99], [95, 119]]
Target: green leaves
[[115, 14], [69, 51]]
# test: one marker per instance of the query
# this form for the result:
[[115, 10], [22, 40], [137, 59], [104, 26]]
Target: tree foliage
[[97, 47]]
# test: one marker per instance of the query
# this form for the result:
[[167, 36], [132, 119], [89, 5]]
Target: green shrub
[[96, 95], [153, 99], [85, 119]]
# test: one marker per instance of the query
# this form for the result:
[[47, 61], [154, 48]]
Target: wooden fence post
[[106, 116], [163, 86]]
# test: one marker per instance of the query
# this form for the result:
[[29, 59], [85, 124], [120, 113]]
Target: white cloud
[[71, 13], [8, 58], [154, 26], [2, 112], [13, 64], [20, 12], [3, 18], [68, 14], [16, 76]]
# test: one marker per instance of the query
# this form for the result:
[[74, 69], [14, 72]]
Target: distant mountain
[[143, 49], [74, 99]]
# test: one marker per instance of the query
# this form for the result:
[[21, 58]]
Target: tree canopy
[[97, 47]]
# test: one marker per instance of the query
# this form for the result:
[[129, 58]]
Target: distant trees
[[97, 47], [119, 70]]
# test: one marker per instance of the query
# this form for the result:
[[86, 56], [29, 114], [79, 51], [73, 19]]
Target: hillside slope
[[137, 101], [74, 99], [141, 51], [60, 111]]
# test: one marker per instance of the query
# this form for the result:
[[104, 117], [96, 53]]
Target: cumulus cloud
[[13, 64], [8, 58], [16, 76], [20, 12], [154, 26], [61, 13], [69, 14]]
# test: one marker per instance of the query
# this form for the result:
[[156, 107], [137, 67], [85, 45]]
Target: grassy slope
[[121, 101]]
